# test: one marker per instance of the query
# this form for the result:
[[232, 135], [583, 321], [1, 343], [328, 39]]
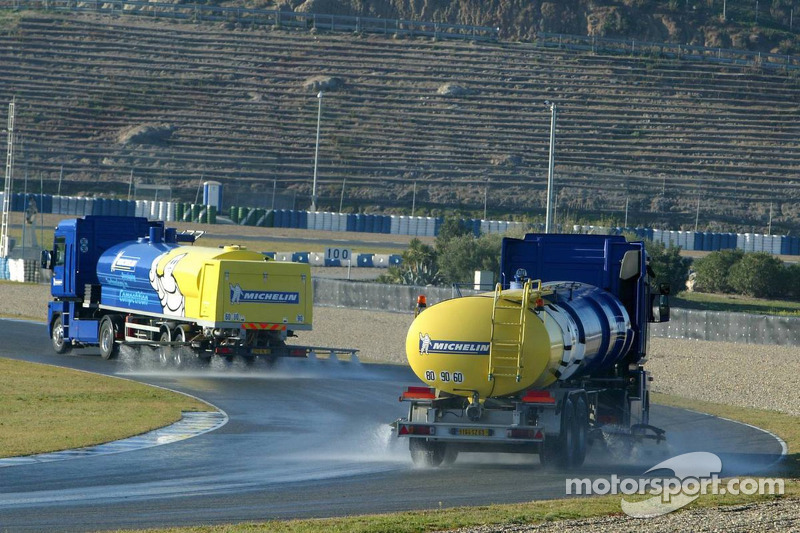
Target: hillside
[[105, 96], [767, 28]]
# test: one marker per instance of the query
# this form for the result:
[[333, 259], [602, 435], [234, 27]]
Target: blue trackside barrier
[[333, 262], [300, 257], [699, 239], [364, 260], [351, 222], [360, 223], [795, 246], [395, 260], [387, 224], [271, 255]]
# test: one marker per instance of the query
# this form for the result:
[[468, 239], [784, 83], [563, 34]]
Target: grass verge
[[44, 408], [786, 426], [734, 304]]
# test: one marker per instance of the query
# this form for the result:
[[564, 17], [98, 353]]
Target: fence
[[673, 50], [683, 324], [262, 17]]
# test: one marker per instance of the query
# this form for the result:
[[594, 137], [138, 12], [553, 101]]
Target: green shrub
[[712, 271], [793, 281], [668, 265], [759, 274]]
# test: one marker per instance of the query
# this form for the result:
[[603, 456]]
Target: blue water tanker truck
[[130, 281]]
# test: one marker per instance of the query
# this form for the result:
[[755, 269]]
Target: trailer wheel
[[108, 348], [581, 431], [450, 455], [427, 454], [60, 345], [164, 352], [183, 355]]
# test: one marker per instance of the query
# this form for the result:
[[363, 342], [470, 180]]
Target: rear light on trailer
[[418, 393], [538, 396], [416, 429], [223, 350], [530, 434]]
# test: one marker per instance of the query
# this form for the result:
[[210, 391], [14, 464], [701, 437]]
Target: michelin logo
[[429, 346], [169, 293], [239, 295]]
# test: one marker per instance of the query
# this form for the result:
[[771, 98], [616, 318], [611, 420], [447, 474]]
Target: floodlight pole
[[316, 156], [548, 215]]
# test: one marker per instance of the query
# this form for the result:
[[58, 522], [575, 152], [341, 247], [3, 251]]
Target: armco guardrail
[[683, 324], [376, 296], [262, 17], [675, 50], [730, 327]]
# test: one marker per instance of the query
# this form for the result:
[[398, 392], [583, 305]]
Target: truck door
[[63, 283]]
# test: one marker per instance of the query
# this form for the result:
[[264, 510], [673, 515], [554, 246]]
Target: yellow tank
[[226, 286], [501, 343]]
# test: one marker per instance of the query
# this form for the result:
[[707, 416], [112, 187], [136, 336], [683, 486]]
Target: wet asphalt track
[[305, 439]]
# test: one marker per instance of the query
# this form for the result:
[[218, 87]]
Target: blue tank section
[[124, 273]]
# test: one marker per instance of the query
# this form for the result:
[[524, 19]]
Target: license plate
[[261, 351], [474, 432]]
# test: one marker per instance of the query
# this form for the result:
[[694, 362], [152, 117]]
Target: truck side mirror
[[659, 312], [47, 259]]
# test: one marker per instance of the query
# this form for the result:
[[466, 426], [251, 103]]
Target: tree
[[418, 267], [460, 257], [451, 228], [668, 265], [759, 274], [713, 270]]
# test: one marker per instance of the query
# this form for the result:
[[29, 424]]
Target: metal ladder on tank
[[508, 334], [4, 248]]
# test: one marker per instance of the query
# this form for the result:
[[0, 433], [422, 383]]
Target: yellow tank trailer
[[223, 287]]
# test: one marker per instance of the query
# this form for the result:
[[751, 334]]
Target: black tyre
[[165, 352], [108, 348], [450, 455], [559, 452], [60, 344], [426, 454], [183, 355], [581, 431]]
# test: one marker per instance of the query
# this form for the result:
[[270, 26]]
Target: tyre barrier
[[416, 226], [24, 270]]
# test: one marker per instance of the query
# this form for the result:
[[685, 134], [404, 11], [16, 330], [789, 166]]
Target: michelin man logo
[[236, 293], [424, 343], [172, 301]]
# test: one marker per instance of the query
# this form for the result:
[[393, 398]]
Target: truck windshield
[[60, 251]]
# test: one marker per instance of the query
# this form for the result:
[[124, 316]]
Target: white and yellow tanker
[[535, 362]]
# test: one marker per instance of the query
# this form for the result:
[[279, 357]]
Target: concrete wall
[[683, 324]]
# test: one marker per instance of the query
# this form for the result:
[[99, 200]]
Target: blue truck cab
[[78, 243]]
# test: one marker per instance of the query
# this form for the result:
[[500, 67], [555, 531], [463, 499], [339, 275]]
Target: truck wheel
[[108, 348], [60, 345], [426, 454], [581, 431], [560, 451]]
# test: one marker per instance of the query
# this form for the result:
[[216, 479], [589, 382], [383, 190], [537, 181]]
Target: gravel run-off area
[[746, 375]]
